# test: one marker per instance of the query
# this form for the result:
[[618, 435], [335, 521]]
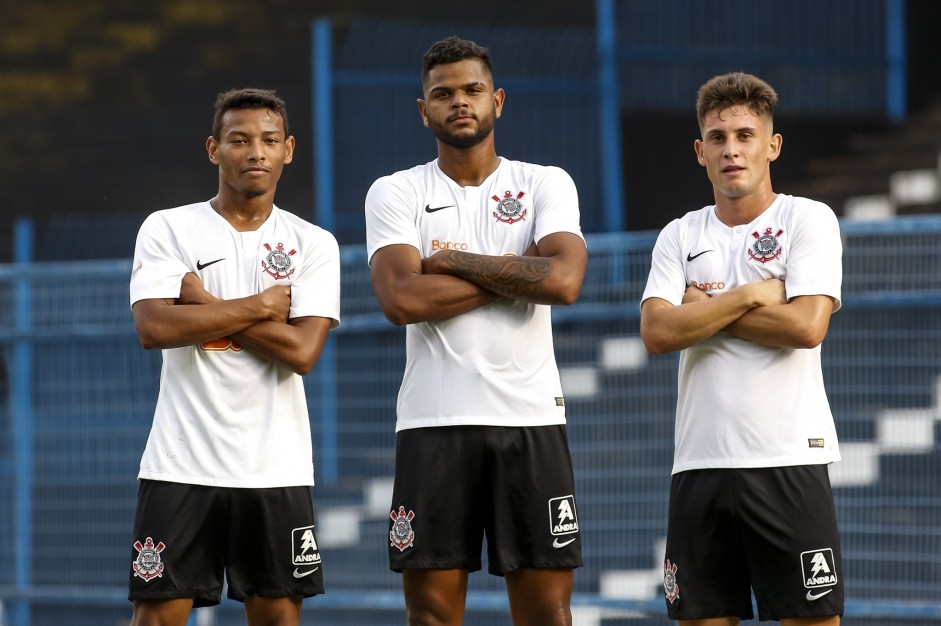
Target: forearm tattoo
[[519, 278]]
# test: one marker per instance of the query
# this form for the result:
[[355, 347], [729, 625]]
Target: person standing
[[239, 295], [468, 251], [744, 289]]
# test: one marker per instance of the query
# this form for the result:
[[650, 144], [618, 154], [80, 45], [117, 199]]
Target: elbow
[[567, 291], [655, 346], [809, 338], [396, 311], [149, 339]]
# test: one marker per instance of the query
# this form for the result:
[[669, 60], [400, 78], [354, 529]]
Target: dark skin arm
[[412, 290], [198, 316], [553, 276]]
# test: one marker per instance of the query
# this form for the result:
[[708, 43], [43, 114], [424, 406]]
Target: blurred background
[[104, 112]]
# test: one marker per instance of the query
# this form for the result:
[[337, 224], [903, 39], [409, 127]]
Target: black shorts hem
[[239, 596], [401, 567], [498, 569], [200, 598]]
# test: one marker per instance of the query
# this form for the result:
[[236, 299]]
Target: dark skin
[[251, 152], [460, 104]]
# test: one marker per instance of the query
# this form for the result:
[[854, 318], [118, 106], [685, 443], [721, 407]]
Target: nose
[[257, 152], [731, 150], [458, 100]]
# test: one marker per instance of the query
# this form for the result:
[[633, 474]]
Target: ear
[[697, 146], [289, 149], [212, 148], [775, 147], [498, 97], [421, 111]]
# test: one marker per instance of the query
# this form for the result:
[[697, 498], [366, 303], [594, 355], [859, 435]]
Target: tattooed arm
[[553, 276]]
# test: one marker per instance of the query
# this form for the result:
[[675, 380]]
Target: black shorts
[[186, 536], [772, 530], [454, 484]]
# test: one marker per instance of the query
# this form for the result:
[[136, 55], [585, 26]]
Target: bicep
[[390, 269]]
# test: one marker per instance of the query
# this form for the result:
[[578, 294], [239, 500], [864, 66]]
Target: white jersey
[[741, 404], [494, 365], [224, 416]]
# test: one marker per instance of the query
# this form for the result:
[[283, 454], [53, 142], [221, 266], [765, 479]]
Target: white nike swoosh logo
[[811, 596], [561, 544], [298, 574]]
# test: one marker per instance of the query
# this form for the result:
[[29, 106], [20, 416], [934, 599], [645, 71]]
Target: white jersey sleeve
[[391, 218], [316, 290], [814, 264], [158, 268], [556, 201], [667, 278]]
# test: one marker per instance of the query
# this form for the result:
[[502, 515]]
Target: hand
[[768, 292], [437, 263], [193, 292], [277, 302], [694, 294], [532, 250]]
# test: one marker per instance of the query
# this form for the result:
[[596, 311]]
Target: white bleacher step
[[906, 431], [915, 187], [338, 526], [623, 353], [869, 208], [579, 381], [377, 496], [859, 467]]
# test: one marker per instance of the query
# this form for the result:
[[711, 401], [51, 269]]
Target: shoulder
[[802, 210], [411, 178], [536, 171], [173, 216], [308, 230]]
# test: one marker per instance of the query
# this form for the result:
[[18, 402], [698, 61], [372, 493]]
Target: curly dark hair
[[451, 50], [248, 98], [735, 88]]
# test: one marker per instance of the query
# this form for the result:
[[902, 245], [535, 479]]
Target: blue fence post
[[896, 100], [609, 118], [21, 414], [321, 46]]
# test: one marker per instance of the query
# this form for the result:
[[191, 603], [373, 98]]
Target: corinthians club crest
[[766, 247], [148, 565], [278, 262], [509, 209], [670, 587], [402, 536]]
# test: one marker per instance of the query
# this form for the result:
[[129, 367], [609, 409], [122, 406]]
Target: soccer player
[[745, 289], [240, 295], [468, 251]]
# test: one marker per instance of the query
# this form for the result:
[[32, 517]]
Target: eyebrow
[[475, 83]]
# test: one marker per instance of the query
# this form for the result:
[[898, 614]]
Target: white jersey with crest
[[224, 416], [494, 365], [742, 404]]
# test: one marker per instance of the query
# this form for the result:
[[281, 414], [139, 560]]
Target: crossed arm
[[758, 312], [259, 322], [452, 282]]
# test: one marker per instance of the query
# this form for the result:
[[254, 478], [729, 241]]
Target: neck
[[468, 167], [738, 211], [242, 212]]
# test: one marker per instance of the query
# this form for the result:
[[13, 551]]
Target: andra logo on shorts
[[819, 571], [306, 555], [563, 520]]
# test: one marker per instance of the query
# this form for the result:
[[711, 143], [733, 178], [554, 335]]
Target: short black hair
[[451, 50], [248, 98]]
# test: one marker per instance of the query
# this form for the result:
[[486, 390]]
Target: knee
[[430, 613]]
